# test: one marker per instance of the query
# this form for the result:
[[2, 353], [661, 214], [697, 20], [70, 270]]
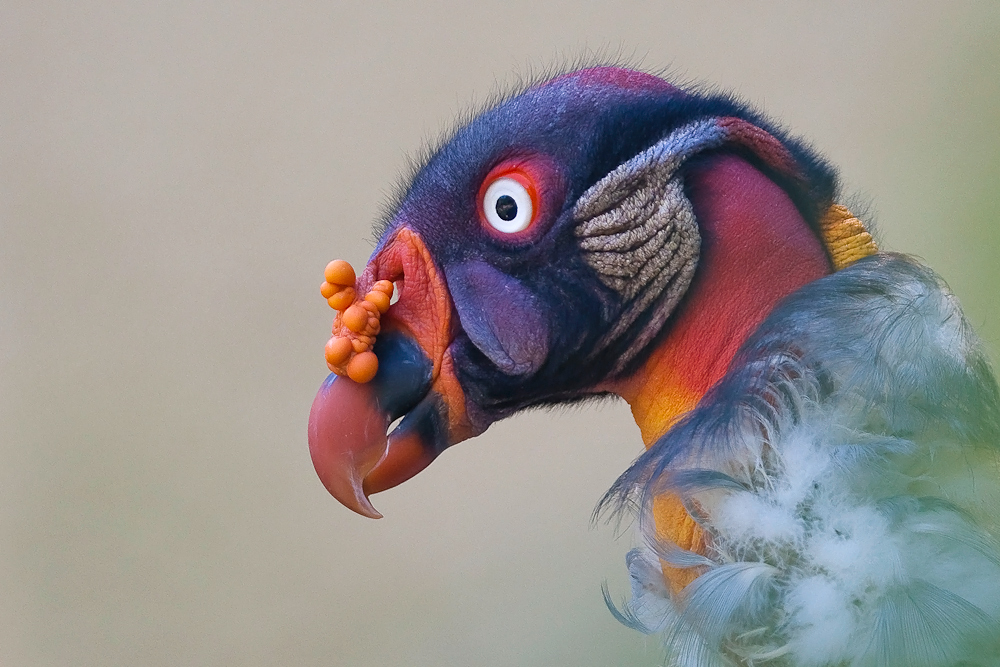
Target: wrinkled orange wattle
[[349, 350]]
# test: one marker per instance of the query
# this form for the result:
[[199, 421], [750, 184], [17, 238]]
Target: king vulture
[[820, 481]]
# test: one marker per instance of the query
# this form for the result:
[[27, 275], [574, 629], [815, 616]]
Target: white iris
[[507, 205]]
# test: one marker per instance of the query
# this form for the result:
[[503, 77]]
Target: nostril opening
[[392, 271]]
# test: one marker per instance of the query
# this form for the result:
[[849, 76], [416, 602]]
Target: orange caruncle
[[349, 350]]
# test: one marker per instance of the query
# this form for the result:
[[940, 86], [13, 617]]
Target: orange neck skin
[[756, 249]]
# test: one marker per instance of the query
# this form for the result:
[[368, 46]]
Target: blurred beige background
[[173, 179]]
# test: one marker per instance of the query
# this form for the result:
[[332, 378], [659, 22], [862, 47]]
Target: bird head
[[552, 249]]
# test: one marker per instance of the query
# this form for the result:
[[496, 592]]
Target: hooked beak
[[348, 440]]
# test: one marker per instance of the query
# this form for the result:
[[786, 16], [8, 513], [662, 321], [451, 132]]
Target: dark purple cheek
[[501, 316]]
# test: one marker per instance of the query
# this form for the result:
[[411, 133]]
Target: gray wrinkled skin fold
[[638, 231]]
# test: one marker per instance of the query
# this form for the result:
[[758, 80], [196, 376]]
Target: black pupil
[[506, 207]]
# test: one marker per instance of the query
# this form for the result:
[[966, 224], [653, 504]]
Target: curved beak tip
[[358, 502], [345, 482], [347, 439]]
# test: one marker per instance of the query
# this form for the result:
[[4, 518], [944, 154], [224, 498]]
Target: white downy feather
[[847, 476]]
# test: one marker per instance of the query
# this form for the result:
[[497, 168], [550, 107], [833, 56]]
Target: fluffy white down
[[849, 491]]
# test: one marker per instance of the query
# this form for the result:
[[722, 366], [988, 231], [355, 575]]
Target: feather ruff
[[846, 472]]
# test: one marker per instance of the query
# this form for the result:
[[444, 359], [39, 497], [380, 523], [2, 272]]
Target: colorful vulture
[[821, 480]]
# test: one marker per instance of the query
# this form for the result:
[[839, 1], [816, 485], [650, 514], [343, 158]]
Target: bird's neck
[[756, 249]]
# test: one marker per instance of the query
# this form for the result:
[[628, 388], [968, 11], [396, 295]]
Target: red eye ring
[[514, 203]]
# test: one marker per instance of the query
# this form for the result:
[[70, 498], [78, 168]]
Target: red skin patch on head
[[618, 77]]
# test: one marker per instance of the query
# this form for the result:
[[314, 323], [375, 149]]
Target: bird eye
[[508, 204]]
